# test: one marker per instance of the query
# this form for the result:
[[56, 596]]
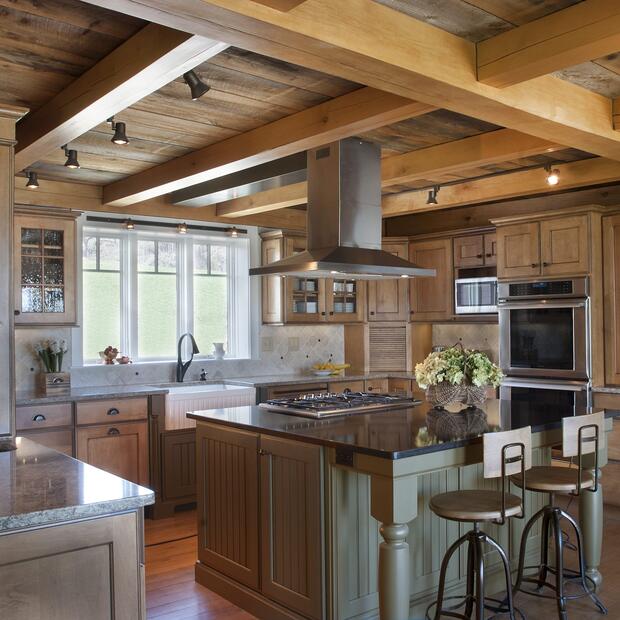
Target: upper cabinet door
[[564, 245], [388, 300], [44, 270], [490, 249], [345, 300], [518, 250], [272, 285], [611, 260], [431, 298], [469, 251]]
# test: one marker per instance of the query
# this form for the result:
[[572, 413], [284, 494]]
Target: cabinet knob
[[546, 264], [113, 411], [322, 313], [331, 313], [38, 418], [16, 312], [489, 255], [479, 255], [114, 431], [535, 265], [372, 313]]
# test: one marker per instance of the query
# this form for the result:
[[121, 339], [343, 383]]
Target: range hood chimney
[[344, 219]]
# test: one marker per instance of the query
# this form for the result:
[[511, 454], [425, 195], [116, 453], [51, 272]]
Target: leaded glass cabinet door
[[44, 276]]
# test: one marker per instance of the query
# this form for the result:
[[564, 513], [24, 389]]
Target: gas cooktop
[[331, 404]]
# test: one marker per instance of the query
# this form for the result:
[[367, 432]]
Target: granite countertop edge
[[65, 514]]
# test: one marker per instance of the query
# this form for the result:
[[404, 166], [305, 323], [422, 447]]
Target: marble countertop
[[395, 433], [39, 486], [88, 393]]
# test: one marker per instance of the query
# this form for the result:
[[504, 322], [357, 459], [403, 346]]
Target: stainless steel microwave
[[475, 295]]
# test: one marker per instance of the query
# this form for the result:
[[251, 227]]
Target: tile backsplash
[[481, 336], [283, 350]]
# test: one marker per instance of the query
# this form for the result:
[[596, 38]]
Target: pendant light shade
[[72, 160], [197, 87], [33, 181], [120, 134]]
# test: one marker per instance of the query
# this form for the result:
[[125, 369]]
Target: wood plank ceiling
[[44, 45]]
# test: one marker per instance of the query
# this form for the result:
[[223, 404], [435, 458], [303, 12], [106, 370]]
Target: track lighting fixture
[[72, 160], [432, 195], [232, 232], [182, 228], [33, 181], [129, 225], [197, 87], [120, 131], [553, 175]]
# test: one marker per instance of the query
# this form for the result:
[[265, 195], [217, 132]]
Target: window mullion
[[130, 302]]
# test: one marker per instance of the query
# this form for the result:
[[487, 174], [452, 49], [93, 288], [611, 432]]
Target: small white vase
[[218, 350]]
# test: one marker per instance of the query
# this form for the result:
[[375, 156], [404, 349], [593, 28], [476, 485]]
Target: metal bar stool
[[506, 454], [580, 436]]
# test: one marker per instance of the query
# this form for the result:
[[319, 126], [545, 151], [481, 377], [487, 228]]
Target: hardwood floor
[[172, 594]]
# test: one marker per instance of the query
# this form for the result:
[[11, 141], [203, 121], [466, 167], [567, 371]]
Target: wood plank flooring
[[172, 594]]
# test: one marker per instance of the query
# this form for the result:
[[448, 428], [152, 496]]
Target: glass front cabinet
[[45, 267], [307, 300]]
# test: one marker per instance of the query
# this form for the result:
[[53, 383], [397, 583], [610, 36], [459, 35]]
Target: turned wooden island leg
[[591, 522], [394, 503]]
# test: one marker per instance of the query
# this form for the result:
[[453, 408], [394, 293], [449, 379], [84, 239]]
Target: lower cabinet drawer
[[43, 416], [111, 411], [120, 449], [341, 386], [400, 386], [376, 385], [60, 440]]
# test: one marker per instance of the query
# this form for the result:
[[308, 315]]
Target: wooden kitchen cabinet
[[475, 250], [51, 425], [555, 246], [490, 249], [431, 299], [291, 507], [402, 387], [342, 385], [388, 300], [261, 529], [118, 448], [379, 386], [44, 267], [611, 260]]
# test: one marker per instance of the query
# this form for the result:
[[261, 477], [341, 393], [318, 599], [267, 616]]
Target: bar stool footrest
[[499, 608]]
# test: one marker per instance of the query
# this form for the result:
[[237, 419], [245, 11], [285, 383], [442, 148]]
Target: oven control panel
[[549, 289]]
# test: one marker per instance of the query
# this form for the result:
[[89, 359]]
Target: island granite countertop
[[39, 486], [396, 433]]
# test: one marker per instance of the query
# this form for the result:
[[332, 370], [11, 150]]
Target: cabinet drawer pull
[[331, 313], [546, 264], [16, 312], [113, 411], [489, 255], [535, 265], [39, 418], [114, 431], [322, 313], [478, 255], [372, 313]]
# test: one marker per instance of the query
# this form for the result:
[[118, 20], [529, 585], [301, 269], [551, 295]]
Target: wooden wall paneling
[[228, 512], [178, 464], [291, 524]]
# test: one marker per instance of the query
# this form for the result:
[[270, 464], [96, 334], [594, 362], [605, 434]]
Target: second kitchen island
[[329, 519]]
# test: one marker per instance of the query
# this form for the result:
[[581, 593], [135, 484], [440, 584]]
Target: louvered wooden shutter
[[388, 347]]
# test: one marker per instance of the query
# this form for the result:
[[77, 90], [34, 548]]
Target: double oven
[[545, 341]]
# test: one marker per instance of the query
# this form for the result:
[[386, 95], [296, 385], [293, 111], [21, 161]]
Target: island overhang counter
[[329, 518]]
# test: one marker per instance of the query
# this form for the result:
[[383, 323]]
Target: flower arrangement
[[51, 353], [457, 374]]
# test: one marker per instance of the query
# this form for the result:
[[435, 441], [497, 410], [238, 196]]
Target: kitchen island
[[71, 538], [306, 518]]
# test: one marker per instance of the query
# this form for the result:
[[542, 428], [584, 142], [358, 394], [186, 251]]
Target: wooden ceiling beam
[[90, 198], [483, 149], [362, 110], [577, 34], [281, 5], [595, 171], [150, 59], [364, 41]]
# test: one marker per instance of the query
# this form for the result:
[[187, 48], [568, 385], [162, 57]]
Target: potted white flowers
[[51, 354], [457, 375]]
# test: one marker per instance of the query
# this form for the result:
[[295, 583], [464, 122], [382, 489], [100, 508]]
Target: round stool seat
[[474, 505], [549, 479]]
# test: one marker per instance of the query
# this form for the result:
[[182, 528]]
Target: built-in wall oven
[[545, 329]]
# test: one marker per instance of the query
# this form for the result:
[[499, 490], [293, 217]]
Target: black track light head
[[197, 87], [120, 134], [33, 181], [432, 196], [72, 160]]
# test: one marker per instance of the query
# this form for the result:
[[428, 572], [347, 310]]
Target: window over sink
[[142, 289]]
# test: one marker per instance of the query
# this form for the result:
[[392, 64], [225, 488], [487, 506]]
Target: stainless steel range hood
[[344, 219]]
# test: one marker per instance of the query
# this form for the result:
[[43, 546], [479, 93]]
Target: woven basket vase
[[446, 394]]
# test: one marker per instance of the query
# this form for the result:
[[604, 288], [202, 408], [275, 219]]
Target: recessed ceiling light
[[196, 86]]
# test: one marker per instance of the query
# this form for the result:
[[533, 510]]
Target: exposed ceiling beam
[[577, 34], [596, 171], [90, 198], [359, 111], [367, 42], [433, 161], [150, 59], [281, 5], [615, 114]]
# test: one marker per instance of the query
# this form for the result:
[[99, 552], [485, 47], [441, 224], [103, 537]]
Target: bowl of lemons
[[325, 369]]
